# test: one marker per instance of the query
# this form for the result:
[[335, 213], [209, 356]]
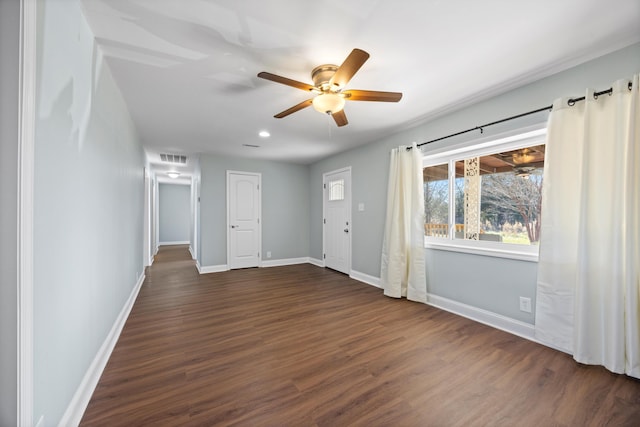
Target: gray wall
[[9, 40], [492, 284], [174, 212], [89, 190], [285, 208]]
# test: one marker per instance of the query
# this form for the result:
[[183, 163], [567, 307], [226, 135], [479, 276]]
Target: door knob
[[346, 230], [233, 226]]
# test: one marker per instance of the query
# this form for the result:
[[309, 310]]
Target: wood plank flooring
[[304, 346]]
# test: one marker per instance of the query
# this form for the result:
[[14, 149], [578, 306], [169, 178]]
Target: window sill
[[492, 249]]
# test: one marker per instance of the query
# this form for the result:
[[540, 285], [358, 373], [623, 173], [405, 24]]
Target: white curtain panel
[[589, 265], [403, 268]]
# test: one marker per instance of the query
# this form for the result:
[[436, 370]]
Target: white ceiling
[[187, 68]]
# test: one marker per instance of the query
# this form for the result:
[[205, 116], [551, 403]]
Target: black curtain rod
[[485, 125], [570, 102]]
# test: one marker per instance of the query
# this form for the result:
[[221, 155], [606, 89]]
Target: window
[[336, 190], [486, 198]]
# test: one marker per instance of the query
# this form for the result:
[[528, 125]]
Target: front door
[[337, 220], [244, 211]]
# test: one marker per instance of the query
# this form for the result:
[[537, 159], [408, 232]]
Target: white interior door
[[337, 220], [244, 211]]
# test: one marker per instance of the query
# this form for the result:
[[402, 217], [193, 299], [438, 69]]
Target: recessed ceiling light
[[264, 134], [173, 174]]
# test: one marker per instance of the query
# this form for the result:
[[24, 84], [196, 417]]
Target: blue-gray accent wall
[[174, 212], [285, 207], [88, 213]]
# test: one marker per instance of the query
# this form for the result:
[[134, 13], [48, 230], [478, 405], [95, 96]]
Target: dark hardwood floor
[[304, 346]]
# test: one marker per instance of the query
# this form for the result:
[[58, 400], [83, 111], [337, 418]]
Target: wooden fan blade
[[349, 67], [371, 95], [285, 81], [340, 117], [298, 107]]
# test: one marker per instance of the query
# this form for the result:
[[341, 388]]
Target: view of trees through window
[[507, 203]]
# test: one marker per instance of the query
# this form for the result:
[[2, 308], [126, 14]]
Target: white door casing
[[337, 220], [244, 231], [195, 186], [146, 221]]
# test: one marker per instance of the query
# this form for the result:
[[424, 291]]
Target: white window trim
[[535, 135]]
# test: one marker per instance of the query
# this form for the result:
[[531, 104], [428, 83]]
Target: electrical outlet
[[268, 254], [525, 304]]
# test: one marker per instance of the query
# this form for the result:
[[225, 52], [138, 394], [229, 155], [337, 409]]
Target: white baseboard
[[191, 252], [270, 263], [186, 242], [316, 262], [365, 278], [82, 396], [285, 261], [498, 321], [211, 268]]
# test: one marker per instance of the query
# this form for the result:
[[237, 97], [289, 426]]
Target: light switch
[[360, 207]]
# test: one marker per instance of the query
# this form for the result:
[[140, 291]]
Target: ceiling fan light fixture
[[328, 103], [522, 157]]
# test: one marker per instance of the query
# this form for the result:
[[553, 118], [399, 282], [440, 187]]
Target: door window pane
[[336, 190]]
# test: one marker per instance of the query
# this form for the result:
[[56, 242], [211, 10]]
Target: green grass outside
[[519, 239]]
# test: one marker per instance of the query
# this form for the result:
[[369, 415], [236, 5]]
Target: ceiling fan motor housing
[[321, 76]]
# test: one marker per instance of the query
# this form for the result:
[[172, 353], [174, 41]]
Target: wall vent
[[174, 158]]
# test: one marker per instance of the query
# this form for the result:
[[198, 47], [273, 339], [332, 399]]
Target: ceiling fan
[[328, 83], [527, 161]]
